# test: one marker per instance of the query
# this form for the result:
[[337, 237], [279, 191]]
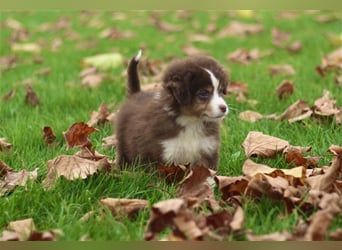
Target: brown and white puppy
[[178, 124]]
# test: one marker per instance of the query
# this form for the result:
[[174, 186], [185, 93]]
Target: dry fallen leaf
[[48, 136], [325, 106], [295, 110], [14, 179], [31, 97], [73, 167], [265, 146], [250, 116], [44, 71], [77, 135], [109, 142], [172, 173], [191, 50], [4, 169], [129, 207], [25, 230], [9, 95], [235, 28], [162, 25], [4, 145], [93, 81], [326, 181], [281, 70], [99, 117], [280, 38], [295, 155], [231, 186], [286, 88], [244, 56]]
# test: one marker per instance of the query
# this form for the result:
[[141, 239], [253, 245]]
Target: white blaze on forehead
[[213, 79]]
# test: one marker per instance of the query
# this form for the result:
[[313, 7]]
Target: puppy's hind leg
[[133, 76]]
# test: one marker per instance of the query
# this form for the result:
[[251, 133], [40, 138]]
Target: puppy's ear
[[179, 87]]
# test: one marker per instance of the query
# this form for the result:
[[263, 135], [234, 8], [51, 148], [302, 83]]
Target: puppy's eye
[[203, 94]]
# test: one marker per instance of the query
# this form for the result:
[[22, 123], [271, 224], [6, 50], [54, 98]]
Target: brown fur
[[145, 119]]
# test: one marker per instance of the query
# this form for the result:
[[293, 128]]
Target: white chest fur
[[189, 145]]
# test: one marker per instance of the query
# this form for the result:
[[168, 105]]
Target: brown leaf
[[4, 145], [44, 71], [326, 181], [322, 219], [72, 167], [261, 184], [93, 80], [237, 88], [31, 97], [129, 207], [77, 135], [324, 106], [114, 34], [7, 62], [295, 110], [250, 116], [162, 25], [14, 179], [285, 236], [162, 215], [265, 146], [4, 169], [172, 173], [99, 117], [46, 236], [281, 70], [200, 38], [231, 186], [238, 220], [195, 183], [191, 50], [109, 142], [240, 29], [23, 228], [280, 38], [48, 136], [9, 95], [336, 235], [244, 56], [286, 88], [295, 47]]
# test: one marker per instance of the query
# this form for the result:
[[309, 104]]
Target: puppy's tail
[[133, 77]]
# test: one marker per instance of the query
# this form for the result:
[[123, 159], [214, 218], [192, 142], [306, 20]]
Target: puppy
[[178, 124]]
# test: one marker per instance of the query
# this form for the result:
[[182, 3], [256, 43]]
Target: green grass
[[63, 104]]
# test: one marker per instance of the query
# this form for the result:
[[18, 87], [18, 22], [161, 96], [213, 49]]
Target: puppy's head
[[198, 85]]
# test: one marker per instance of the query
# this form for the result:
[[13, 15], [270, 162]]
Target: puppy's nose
[[223, 108]]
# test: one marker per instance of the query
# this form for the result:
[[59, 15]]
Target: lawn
[[65, 38]]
